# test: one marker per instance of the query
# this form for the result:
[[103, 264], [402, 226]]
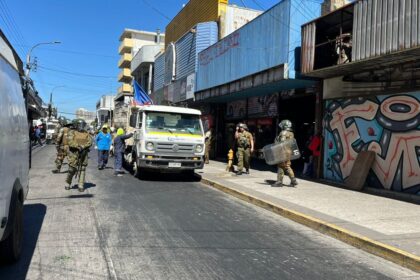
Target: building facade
[[131, 42], [104, 110], [87, 116], [253, 76], [366, 54]]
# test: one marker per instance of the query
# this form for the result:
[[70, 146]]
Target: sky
[[84, 66]]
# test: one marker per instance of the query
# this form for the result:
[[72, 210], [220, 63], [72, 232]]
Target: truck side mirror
[[133, 120]]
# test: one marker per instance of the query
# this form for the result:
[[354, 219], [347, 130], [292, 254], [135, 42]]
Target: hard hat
[[120, 131], [105, 126]]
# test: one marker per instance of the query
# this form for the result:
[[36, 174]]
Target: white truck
[[51, 130], [166, 139]]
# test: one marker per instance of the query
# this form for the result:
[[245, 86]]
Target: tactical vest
[[81, 138], [243, 140], [65, 141]]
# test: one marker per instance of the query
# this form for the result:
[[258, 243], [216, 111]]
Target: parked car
[[14, 156]]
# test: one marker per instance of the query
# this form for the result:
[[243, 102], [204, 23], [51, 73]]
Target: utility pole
[[28, 57]]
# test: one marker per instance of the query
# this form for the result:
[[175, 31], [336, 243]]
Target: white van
[[14, 156]]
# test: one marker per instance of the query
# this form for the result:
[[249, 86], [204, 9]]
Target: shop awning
[[261, 90]]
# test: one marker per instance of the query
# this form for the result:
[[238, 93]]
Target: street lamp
[[28, 57], [51, 95]]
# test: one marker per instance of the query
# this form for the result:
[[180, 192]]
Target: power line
[[15, 26], [75, 73], [156, 10], [11, 32], [76, 52], [243, 3]]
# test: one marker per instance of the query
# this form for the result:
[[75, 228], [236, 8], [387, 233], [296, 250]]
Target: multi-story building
[[131, 42], [142, 65], [253, 76], [228, 17], [104, 110], [196, 27], [367, 56], [85, 115]]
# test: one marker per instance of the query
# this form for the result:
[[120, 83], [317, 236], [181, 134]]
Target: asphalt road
[[170, 227]]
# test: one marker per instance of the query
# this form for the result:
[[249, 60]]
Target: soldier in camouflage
[[79, 142], [61, 145], [245, 147], [286, 166]]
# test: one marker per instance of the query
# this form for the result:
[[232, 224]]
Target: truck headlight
[[199, 148], [150, 146]]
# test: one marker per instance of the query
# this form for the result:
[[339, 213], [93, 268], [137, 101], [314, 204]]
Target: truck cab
[[166, 139], [51, 130]]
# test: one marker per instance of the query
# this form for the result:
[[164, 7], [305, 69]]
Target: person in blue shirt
[[103, 142], [119, 147], [38, 135]]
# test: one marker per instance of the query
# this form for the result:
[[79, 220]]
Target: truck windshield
[[173, 123], [51, 127]]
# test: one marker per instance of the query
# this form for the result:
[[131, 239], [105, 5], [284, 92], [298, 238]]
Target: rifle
[[82, 154]]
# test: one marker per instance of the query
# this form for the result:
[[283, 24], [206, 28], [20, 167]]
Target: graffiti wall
[[389, 126]]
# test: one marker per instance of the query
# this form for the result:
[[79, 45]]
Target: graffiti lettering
[[389, 126], [349, 134]]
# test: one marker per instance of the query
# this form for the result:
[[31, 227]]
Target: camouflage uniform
[[208, 142], [78, 143], [285, 167], [62, 147], [243, 154]]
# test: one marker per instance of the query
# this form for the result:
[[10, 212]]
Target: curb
[[379, 249]]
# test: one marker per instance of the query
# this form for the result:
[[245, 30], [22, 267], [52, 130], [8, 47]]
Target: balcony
[[126, 46], [125, 88], [145, 55], [125, 60], [125, 75]]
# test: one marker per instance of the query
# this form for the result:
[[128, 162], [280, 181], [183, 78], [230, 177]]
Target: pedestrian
[[285, 167], [79, 141], [103, 141], [315, 148], [245, 146], [62, 145], [38, 135], [119, 148], [208, 142]]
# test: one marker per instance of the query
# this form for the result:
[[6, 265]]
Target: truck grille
[[174, 148]]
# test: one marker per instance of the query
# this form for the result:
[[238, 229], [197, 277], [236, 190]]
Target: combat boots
[[293, 182], [57, 170], [277, 184]]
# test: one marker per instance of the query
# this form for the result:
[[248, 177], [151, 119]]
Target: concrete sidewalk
[[390, 224]]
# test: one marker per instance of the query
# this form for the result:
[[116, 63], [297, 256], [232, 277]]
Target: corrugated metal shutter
[[384, 26], [188, 47], [159, 72], [185, 55]]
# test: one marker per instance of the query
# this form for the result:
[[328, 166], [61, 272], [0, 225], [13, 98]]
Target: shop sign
[[190, 86]]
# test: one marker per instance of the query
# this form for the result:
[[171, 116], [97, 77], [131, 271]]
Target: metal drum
[[281, 152]]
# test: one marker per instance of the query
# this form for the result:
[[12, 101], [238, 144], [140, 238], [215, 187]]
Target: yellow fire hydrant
[[229, 166]]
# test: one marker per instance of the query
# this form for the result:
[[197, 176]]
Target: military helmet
[[244, 126], [79, 124], [62, 121], [285, 125]]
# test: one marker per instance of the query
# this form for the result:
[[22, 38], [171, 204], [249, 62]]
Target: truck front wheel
[[138, 172]]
